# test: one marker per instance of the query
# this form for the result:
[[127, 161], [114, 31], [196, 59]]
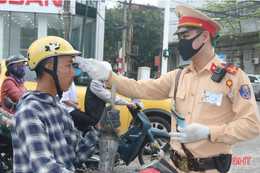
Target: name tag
[[212, 98]]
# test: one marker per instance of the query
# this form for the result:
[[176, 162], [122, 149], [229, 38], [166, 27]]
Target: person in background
[[96, 98], [70, 102], [216, 104], [43, 134], [13, 84]]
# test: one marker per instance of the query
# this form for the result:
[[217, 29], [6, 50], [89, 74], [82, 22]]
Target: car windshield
[[83, 79]]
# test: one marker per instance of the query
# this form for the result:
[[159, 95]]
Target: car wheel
[[160, 123]]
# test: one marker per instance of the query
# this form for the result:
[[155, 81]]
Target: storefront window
[[90, 39], [18, 30], [83, 35], [76, 34], [22, 32], [49, 24], [4, 34]]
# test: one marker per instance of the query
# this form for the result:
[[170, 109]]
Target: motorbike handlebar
[[138, 103], [137, 106]]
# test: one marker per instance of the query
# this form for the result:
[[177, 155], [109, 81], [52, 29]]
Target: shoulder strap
[[189, 155], [177, 82]]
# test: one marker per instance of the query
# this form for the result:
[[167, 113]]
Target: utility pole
[[165, 36], [130, 31], [100, 28], [66, 18], [124, 36]]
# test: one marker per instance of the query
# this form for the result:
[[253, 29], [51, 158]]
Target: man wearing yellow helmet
[[43, 134]]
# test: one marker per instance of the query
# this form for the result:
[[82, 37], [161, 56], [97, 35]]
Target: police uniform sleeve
[[153, 89], [245, 124]]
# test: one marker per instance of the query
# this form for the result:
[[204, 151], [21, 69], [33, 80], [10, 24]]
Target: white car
[[255, 81]]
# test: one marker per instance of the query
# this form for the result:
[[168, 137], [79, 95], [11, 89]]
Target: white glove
[[98, 70], [191, 133]]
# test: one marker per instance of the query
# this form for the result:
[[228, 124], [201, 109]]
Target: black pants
[[81, 119]]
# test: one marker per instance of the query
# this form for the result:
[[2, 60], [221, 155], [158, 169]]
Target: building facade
[[23, 21]]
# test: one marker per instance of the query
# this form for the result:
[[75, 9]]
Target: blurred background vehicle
[[255, 81]]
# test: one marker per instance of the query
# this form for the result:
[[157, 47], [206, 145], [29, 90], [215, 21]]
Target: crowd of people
[[218, 110]]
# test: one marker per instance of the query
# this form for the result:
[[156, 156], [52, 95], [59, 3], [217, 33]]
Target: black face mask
[[185, 48]]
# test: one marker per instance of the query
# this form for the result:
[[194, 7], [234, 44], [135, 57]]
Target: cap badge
[[180, 15]]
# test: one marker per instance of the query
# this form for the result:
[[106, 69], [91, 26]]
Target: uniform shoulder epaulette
[[231, 69]]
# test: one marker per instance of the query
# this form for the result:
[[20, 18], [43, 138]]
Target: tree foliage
[[233, 16], [147, 33], [237, 18], [113, 32], [148, 27]]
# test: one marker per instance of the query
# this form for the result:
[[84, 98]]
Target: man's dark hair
[[39, 71], [199, 30]]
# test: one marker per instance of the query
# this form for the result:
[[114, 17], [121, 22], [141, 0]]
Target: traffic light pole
[[165, 37]]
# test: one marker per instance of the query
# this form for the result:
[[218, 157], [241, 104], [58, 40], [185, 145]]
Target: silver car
[[255, 81]]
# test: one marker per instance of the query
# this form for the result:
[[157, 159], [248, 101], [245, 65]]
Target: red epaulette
[[231, 69]]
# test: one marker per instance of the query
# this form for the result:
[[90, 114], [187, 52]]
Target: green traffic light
[[167, 53]]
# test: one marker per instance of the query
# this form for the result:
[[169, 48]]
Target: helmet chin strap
[[54, 75]]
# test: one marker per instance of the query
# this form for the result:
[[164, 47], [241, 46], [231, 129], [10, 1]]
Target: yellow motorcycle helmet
[[47, 47]]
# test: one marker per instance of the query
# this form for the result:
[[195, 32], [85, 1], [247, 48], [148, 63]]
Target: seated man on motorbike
[[97, 95], [43, 134], [70, 101]]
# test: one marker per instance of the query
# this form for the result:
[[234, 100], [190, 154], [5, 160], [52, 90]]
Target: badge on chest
[[212, 98]]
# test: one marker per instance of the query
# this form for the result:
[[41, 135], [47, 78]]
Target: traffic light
[[215, 41], [166, 53]]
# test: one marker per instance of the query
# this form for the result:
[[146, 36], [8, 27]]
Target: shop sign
[[39, 6]]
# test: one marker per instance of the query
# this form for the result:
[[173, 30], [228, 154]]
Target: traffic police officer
[[216, 99]]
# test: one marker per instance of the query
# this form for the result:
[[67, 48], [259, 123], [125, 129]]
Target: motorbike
[[6, 150], [140, 141], [6, 154]]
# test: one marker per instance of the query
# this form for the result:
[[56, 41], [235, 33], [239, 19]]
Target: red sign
[[157, 61], [37, 6], [57, 3]]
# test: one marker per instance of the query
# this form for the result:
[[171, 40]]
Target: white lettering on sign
[[39, 6]]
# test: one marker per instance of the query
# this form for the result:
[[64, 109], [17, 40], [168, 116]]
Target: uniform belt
[[182, 163]]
